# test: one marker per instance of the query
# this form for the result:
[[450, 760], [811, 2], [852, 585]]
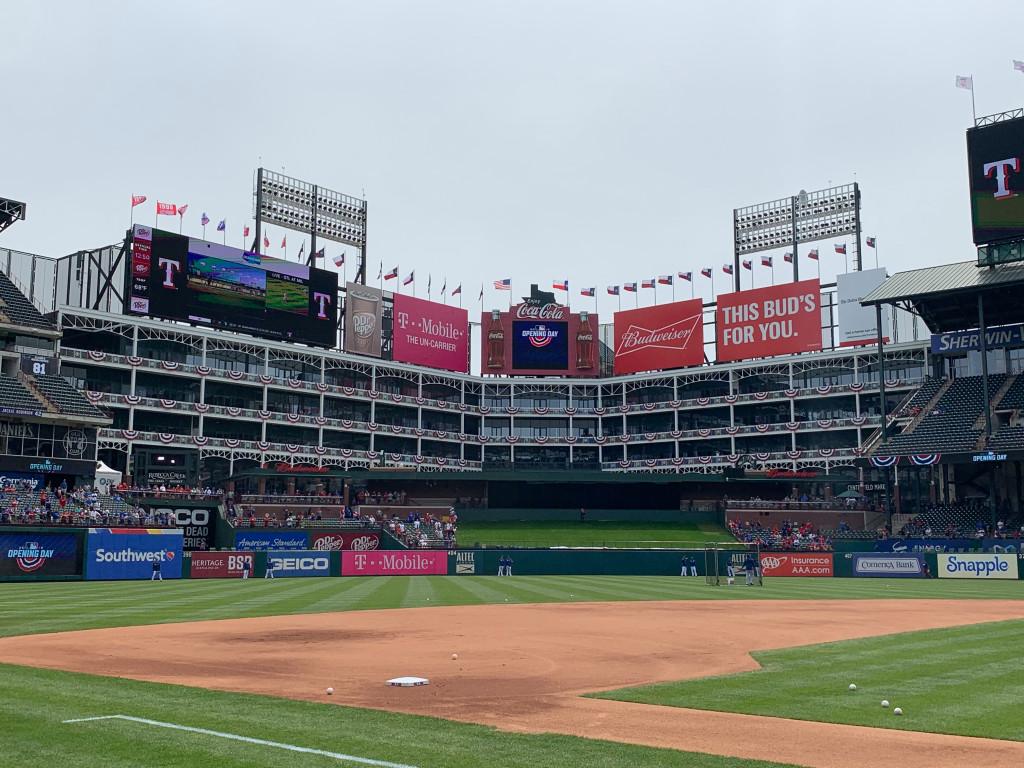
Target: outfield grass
[[963, 680], [60, 606], [553, 533], [33, 704]]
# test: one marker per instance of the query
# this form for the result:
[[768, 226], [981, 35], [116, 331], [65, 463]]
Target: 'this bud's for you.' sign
[[764, 322]]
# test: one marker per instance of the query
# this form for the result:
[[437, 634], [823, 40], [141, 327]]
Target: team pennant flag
[[138, 200], [166, 209], [664, 279], [181, 210], [613, 290], [687, 276], [560, 285], [409, 278], [503, 285], [629, 287], [727, 268], [391, 273], [588, 292]]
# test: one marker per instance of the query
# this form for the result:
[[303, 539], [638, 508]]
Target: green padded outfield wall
[[576, 562]]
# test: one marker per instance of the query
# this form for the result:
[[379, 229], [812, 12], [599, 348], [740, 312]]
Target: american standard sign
[[659, 337]]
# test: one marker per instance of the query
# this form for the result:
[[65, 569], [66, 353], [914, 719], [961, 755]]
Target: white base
[[408, 682]]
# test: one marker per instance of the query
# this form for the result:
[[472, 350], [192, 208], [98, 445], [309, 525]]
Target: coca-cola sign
[[541, 312], [660, 337]]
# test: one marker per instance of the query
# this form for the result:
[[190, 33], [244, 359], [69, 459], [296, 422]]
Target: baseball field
[[524, 671]]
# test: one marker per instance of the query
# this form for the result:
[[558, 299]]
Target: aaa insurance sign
[[660, 337], [765, 322]]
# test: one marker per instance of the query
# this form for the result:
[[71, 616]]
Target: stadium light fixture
[[319, 212], [806, 217]]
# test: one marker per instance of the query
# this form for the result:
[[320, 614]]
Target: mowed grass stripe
[[29, 608], [36, 701], [959, 680]]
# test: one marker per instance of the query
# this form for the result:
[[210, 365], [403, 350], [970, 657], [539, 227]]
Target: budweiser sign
[[660, 337], [541, 312]]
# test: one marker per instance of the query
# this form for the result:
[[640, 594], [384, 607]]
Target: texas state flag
[[588, 291], [687, 276], [788, 258], [647, 283], [613, 290], [631, 287], [727, 268], [748, 265], [664, 279], [841, 249], [560, 285], [766, 261], [706, 271]]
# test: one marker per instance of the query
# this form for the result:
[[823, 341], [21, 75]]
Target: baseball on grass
[[897, 711], [885, 703], [455, 657], [853, 686], [330, 691]]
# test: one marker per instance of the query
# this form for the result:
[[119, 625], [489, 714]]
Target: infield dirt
[[524, 667]]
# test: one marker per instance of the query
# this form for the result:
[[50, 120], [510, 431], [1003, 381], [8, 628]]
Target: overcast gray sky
[[601, 142]]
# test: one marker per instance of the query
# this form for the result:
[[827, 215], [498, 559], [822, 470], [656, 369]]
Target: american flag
[[205, 219], [503, 285]]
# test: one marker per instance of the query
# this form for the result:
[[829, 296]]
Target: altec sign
[[660, 337], [764, 322], [431, 334]]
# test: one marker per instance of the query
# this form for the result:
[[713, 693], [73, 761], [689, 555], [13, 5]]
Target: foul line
[[246, 739]]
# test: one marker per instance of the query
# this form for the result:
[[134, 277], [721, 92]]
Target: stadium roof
[[946, 297]]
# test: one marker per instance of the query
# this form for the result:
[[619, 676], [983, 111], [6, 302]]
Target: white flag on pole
[[965, 82]]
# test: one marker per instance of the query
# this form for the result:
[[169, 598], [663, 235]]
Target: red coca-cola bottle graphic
[[584, 343], [495, 341]]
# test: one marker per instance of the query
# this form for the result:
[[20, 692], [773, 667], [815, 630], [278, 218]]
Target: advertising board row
[[320, 541], [301, 563]]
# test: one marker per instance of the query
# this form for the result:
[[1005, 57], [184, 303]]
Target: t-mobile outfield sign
[[660, 337], [857, 323], [430, 334], [764, 322], [394, 563]]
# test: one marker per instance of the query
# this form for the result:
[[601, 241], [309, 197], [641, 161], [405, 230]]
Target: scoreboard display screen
[[540, 345], [181, 278], [995, 156]]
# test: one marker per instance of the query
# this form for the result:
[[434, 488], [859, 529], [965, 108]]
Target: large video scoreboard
[[175, 277]]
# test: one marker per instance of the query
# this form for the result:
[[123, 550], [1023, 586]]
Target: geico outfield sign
[[980, 566]]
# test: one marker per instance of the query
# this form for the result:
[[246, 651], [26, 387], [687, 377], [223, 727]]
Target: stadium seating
[[66, 398], [950, 426], [18, 505], [1008, 438], [14, 394], [922, 396], [1014, 396], [16, 309]]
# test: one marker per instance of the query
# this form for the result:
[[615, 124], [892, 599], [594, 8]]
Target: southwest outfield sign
[[966, 566]]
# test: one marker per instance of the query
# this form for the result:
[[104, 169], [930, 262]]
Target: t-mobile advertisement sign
[[394, 563], [430, 334], [659, 337], [764, 322]]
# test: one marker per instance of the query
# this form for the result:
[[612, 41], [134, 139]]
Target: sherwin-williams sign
[[970, 566], [765, 322], [660, 337], [129, 553], [430, 334], [394, 563]]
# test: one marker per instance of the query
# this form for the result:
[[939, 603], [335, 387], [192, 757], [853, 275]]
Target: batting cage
[[733, 564]]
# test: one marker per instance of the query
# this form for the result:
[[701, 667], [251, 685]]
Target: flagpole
[[876, 253], [773, 271], [974, 112], [692, 294]]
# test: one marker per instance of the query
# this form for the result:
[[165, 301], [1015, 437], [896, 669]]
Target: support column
[[984, 367]]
